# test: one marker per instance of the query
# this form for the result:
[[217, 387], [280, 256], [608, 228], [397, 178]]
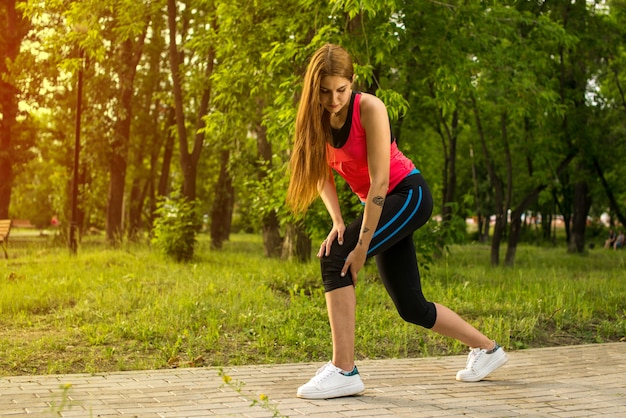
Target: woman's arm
[[375, 121], [328, 193]]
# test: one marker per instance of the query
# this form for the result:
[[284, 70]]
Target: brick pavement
[[571, 381]]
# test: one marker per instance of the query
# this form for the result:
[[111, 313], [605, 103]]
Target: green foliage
[[547, 79], [429, 244], [175, 228], [433, 240], [397, 105]]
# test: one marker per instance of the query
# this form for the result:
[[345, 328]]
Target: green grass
[[130, 309]]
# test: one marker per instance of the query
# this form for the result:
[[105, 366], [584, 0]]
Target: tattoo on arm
[[378, 200], [365, 230]]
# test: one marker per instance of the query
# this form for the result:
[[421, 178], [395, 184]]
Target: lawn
[[130, 309]]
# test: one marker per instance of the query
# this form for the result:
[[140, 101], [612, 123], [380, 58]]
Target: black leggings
[[407, 207]]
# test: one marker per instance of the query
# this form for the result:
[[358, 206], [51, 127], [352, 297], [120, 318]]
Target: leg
[[405, 210], [400, 274], [450, 324], [341, 305], [339, 377]]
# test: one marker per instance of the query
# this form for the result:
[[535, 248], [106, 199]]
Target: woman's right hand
[[335, 234]]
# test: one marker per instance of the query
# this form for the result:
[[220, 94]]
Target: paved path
[[574, 381]]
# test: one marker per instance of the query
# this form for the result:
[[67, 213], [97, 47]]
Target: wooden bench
[[5, 229]]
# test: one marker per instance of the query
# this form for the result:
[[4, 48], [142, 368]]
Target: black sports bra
[[340, 136]]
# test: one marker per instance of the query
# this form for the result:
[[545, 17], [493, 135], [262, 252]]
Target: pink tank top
[[350, 160]]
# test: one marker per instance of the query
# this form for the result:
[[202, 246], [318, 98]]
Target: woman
[[349, 132]]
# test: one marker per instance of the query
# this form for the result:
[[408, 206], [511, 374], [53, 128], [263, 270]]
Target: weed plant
[[131, 308]]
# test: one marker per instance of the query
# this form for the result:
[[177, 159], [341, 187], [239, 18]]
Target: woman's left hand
[[354, 263]]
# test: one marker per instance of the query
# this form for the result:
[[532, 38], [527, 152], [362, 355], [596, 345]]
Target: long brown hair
[[308, 158]]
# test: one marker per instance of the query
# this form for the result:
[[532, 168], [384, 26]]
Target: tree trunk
[[272, 241], [137, 195], [514, 233], [484, 225], [582, 203], [613, 204], [565, 208], [14, 28], [270, 227], [498, 230], [188, 160], [8, 106], [135, 210], [449, 175], [567, 224], [516, 215], [482, 220], [222, 211], [498, 233], [546, 225], [515, 227], [297, 242], [115, 201], [131, 52], [508, 159], [449, 139], [145, 155], [163, 187]]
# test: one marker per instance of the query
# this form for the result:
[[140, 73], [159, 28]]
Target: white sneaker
[[331, 382], [481, 362]]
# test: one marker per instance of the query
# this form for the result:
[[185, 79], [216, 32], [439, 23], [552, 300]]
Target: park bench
[[5, 228]]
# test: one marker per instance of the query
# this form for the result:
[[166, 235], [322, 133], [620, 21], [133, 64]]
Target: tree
[[609, 104], [517, 95], [152, 140], [202, 69], [435, 84], [260, 59], [131, 28], [13, 30]]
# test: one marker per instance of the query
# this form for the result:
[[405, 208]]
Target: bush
[[175, 228]]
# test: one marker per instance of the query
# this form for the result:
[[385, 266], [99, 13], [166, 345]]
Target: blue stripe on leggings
[[419, 202], [392, 220]]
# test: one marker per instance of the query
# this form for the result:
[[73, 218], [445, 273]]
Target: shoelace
[[473, 357], [325, 372], [321, 369]]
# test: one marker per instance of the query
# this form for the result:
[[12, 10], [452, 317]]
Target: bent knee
[[331, 267], [423, 315]]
